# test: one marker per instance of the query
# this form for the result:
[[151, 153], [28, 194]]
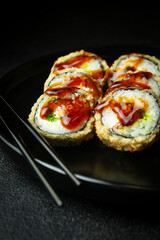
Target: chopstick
[[53, 154], [24, 150], [30, 130]]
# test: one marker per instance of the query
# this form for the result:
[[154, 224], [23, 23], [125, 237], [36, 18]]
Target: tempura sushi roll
[[135, 62], [128, 119], [63, 121], [75, 79], [94, 64], [64, 113], [143, 80]]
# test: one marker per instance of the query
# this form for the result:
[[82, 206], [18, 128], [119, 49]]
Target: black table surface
[[26, 209]]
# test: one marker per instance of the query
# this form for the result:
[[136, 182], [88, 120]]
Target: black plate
[[106, 174]]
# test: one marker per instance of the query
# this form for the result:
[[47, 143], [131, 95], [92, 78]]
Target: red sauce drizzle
[[139, 79], [59, 92], [73, 112], [74, 82], [129, 65], [73, 62], [77, 62], [127, 112]]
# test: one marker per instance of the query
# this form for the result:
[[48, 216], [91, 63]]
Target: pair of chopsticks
[[18, 128]]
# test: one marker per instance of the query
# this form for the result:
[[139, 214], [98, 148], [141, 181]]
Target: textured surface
[[28, 212], [26, 209]]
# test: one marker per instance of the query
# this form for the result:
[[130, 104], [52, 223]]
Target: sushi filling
[[140, 79], [130, 113], [78, 81], [61, 116], [133, 64], [94, 66], [89, 63]]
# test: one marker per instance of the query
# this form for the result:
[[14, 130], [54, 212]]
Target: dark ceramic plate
[[106, 174]]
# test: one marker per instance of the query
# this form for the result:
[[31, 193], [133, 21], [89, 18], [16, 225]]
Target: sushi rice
[[145, 65], [132, 63], [142, 126], [95, 65], [66, 119], [54, 126]]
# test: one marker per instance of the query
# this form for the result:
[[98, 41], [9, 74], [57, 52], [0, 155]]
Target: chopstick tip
[[78, 182], [59, 203]]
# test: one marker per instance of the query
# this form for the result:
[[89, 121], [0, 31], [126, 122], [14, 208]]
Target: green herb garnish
[[146, 116], [52, 118], [86, 66]]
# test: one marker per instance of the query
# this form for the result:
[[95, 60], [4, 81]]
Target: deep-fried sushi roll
[[94, 64], [135, 62], [63, 121], [64, 113], [143, 80], [128, 119], [74, 79]]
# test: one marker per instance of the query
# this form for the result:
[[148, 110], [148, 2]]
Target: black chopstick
[[53, 154], [24, 150], [44, 143]]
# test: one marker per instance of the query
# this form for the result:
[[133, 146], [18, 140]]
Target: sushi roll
[[63, 122], [94, 64], [64, 113], [73, 78], [134, 62], [143, 80], [128, 119]]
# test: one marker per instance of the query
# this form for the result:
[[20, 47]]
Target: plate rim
[[112, 184]]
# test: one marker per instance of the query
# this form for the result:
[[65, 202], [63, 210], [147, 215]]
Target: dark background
[[29, 32]]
